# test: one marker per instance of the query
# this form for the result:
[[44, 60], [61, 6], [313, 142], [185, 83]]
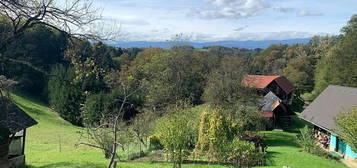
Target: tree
[[175, 75], [223, 85], [306, 139], [270, 61], [95, 107], [347, 127], [65, 96], [300, 72], [222, 135], [74, 18], [247, 118], [339, 66], [142, 126], [41, 47], [106, 135], [214, 131], [176, 133]]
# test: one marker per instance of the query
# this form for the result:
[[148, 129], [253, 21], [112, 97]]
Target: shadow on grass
[[202, 162], [280, 139], [270, 158], [36, 113], [37, 99], [67, 164]]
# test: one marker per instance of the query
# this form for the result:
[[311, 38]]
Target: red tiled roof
[[268, 114], [262, 81]]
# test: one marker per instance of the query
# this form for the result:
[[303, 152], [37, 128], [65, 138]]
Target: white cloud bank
[[232, 9]]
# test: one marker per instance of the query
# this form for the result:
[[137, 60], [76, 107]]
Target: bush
[[306, 140], [155, 143], [241, 154], [218, 126], [214, 130], [176, 133]]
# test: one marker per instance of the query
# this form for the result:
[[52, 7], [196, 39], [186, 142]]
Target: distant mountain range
[[238, 44]]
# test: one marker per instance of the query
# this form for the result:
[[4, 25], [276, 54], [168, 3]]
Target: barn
[[264, 84], [276, 93], [13, 125], [276, 111]]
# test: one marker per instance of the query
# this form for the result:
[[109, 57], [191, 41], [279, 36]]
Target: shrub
[[176, 133], [214, 130], [155, 143], [247, 118], [241, 154], [218, 126], [306, 139]]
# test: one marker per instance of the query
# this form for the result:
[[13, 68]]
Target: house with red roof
[[276, 92], [264, 84]]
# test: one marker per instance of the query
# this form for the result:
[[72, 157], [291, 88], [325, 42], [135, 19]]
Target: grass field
[[51, 144]]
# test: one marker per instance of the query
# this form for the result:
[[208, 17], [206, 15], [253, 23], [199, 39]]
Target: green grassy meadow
[[51, 144]]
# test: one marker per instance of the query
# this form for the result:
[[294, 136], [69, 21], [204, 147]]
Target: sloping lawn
[[51, 144], [284, 151]]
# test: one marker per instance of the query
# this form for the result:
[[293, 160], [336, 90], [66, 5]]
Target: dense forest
[[152, 90]]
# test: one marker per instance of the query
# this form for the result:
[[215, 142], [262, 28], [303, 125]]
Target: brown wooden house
[[276, 111], [276, 93], [13, 124], [264, 84]]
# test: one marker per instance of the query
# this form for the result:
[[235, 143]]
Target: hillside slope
[[51, 144]]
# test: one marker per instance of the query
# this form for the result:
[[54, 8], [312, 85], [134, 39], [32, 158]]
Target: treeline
[[84, 80]]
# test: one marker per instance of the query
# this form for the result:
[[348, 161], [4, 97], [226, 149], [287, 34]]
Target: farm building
[[276, 92], [13, 124], [323, 111], [278, 112], [279, 85]]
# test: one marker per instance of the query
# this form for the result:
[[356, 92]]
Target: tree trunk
[[4, 151]]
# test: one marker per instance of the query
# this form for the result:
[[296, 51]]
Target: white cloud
[[240, 28], [304, 13], [257, 36], [231, 9], [207, 37], [284, 9]]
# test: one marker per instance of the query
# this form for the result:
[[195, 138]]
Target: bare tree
[[74, 18], [106, 134], [142, 127]]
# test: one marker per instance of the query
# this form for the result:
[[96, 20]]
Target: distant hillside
[[238, 44]]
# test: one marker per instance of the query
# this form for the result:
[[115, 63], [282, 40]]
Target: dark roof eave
[[317, 125]]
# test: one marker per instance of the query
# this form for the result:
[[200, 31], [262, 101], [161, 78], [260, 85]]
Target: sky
[[220, 20]]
